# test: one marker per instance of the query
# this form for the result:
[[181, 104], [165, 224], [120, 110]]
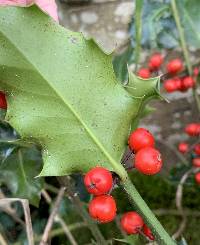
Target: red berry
[[144, 73], [131, 222], [197, 149], [103, 208], [3, 103], [183, 147], [197, 178], [170, 85], [139, 139], [188, 82], [98, 181], [196, 71], [196, 162], [183, 88], [155, 61], [193, 129], [148, 232], [148, 161], [174, 66], [178, 83]]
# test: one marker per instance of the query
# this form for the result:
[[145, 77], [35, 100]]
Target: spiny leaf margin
[[105, 106]]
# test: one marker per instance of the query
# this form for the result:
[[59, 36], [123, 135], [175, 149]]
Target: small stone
[[74, 19], [120, 34], [125, 11], [89, 17]]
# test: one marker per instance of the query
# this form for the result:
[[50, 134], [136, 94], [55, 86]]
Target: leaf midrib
[[21, 165], [116, 166]]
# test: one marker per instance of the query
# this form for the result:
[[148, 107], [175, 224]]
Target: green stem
[[162, 237], [181, 34], [138, 30]]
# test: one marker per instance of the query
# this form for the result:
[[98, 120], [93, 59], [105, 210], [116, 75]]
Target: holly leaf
[[63, 94], [142, 90], [158, 26], [189, 13], [18, 172]]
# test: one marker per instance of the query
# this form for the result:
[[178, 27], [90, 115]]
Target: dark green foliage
[[120, 63]]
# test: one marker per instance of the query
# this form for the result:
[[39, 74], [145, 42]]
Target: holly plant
[[61, 96]]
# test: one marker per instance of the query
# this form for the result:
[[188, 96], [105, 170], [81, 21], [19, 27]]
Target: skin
[[48, 6]]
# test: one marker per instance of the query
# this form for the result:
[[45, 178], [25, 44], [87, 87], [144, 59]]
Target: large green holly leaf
[[18, 170], [63, 94]]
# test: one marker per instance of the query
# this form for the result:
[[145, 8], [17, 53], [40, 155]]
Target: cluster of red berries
[[154, 65], [179, 84], [173, 67], [147, 159], [3, 103], [99, 182], [192, 129]]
